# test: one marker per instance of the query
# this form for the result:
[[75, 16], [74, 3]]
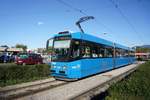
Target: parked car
[[29, 58], [1, 58], [5, 57]]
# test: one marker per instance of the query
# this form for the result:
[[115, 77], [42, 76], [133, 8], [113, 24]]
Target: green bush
[[135, 87], [139, 59], [12, 74]]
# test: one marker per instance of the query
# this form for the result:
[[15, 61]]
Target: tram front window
[[61, 50]]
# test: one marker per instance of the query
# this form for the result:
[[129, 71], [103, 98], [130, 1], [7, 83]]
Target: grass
[[134, 87], [11, 74]]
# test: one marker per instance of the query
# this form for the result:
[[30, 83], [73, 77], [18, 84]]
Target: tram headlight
[[76, 67], [53, 66], [64, 67]]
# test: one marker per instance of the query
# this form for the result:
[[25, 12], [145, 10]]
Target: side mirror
[[47, 43]]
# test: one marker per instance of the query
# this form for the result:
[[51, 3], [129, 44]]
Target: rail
[[102, 87], [17, 91], [82, 89]]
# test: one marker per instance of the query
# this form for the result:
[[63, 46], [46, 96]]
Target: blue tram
[[78, 55]]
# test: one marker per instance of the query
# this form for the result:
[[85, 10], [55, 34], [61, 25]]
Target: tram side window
[[126, 53], [118, 53], [75, 49], [108, 52], [101, 52], [86, 51], [95, 52], [132, 54], [122, 53]]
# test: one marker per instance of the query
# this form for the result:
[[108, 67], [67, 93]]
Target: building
[[15, 50], [2, 49], [143, 56], [11, 50]]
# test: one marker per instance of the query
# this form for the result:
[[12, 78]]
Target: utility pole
[[83, 19]]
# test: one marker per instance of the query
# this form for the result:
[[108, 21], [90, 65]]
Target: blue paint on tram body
[[78, 55]]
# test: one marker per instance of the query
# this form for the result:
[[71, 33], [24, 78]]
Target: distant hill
[[144, 46]]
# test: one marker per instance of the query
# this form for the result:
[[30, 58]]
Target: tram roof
[[88, 37]]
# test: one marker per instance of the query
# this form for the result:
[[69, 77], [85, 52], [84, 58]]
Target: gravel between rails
[[26, 89], [74, 89], [27, 84]]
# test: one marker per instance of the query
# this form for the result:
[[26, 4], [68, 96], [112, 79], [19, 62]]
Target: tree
[[24, 47], [144, 50]]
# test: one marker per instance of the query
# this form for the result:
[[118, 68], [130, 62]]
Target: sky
[[33, 22]]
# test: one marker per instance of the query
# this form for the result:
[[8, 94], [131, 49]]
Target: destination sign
[[63, 37]]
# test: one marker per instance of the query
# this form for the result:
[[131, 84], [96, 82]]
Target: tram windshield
[[61, 50], [65, 50]]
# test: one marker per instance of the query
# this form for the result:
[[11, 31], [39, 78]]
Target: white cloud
[[40, 23]]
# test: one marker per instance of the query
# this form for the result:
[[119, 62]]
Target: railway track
[[20, 91], [88, 95], [81, 89], [86, 88]]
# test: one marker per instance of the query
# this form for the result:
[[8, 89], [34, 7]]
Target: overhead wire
[[83, 13], [99, 22], [126, 19], [72, 7]]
